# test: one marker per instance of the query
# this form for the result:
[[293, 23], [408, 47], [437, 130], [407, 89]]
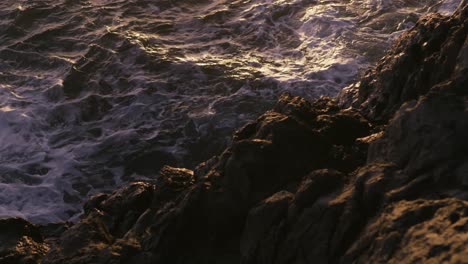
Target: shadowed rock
[[20, 242]]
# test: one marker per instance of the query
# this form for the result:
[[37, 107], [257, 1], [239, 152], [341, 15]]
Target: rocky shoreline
[[377, 175]]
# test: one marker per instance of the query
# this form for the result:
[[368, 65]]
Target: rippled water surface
[[97, 93]]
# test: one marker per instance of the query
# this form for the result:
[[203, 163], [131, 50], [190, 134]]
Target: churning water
[[97, 93]]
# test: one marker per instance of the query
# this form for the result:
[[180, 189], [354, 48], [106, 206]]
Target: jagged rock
[[199, 218], [430, 53], [427, 140], [420, 231], [105, 234], [20, 242], [295, 228], [318, 183], [342, 128], [265, 228]]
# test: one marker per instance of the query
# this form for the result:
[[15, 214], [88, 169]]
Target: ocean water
[[94, 94]]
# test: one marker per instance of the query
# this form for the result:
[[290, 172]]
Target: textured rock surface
[[378, 175], [433, 52], [419, 231], [20, 242]]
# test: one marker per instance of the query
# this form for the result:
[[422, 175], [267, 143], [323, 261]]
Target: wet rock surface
[[378, 175]]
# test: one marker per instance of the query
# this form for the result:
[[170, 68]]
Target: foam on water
[[97, 93]]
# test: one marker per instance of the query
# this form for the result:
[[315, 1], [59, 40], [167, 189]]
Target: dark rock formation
[[377, 176], [200, 217], [431, 53], [20, 242]]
